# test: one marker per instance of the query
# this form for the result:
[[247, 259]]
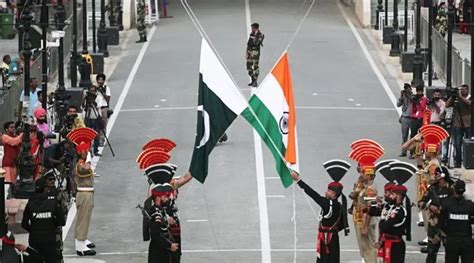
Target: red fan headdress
[[426, 117], [165, 144], [432, 136], [366, 153], [152, 156], [82, 138]]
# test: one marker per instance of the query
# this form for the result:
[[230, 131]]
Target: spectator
[[11, 147], [42, 125], [57, 154], [441, 24], [103, 102], [461, 102], [71, 121], [93, 117], [5, 68], [437, 107], [39, 103], [33, 97], [419, 104], [405, 101]]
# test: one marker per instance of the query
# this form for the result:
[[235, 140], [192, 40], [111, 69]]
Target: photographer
[[103, 103], [405, 120], [460, 100], [437, 107], [93, 118], [419, 104], [71, 121], [58, 154]]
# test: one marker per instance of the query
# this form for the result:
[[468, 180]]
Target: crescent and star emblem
[[207, 127]]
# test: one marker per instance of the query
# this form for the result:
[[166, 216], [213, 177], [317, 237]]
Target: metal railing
[[10, 97], [461, 73], [401, 22]]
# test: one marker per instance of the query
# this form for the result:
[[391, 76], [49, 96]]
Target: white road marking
[[371, 61], [196, 220], [343, 108], [315, 94], [238, 250], [156, 108], [275, 196], [260, 173], [272, 178], [72, 211], [350, 99]]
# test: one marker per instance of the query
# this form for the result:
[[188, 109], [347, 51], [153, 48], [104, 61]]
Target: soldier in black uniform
[[161, 244], [41, 218], [333, 218], [454, 220], [432, 201], [392, 227]]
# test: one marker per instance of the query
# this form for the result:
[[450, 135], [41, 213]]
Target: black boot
[[141, 40], [252, 83]]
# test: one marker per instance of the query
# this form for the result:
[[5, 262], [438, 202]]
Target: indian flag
[[274, 119], [219, 104]]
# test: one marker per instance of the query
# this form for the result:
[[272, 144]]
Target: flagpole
[[203, 34]]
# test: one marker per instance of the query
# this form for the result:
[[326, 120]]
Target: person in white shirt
[[437, 107], [103, 100]]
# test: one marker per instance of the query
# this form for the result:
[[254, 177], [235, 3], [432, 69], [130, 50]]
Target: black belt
[[406, 117], [104, 107], [436, 122]]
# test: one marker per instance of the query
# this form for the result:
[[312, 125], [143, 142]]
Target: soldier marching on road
[[254, 44], [141, 26]]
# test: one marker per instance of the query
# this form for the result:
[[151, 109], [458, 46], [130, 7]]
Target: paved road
[[339, 99]]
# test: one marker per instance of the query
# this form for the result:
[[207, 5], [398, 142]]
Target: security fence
[[461, 73], [9, 97]]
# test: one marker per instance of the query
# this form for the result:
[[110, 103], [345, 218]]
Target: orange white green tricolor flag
[[275, 119]]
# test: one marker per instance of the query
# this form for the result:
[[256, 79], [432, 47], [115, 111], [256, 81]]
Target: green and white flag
[[219, 103]]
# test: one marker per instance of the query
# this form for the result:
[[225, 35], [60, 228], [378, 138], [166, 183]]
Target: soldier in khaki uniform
[[366, 153], [84, 180]]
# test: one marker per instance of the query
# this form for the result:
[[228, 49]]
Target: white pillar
[[129, 14]]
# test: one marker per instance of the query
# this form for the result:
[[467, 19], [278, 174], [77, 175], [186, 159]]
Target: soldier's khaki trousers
[[367, 244], [84, 205]]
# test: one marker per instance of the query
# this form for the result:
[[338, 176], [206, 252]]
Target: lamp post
[[44, 53], [449, 58], [74, 45], [395, 49], [430, 45], [25, 161], [119, 15], [386, 13], [405, 27], [418, 59], [84, 67], [60, 18], [377, 14], [471, 29], [102, 31], [112, 13], [94, 44]]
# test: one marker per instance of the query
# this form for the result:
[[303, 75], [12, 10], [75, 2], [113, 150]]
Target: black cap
[[460, 186], [256, 25]]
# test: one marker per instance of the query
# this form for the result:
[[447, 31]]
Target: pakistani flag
[[272, 113], [219, 103]]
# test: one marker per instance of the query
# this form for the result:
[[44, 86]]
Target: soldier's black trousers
[[47, 249], [334, 255], [433, 249], [176, 256], [398, 252], [459, 248], [157, 254]]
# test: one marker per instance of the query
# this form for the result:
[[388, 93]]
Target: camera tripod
[[451, 145], [88, 109]]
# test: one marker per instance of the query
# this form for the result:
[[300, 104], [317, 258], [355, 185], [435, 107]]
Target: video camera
[[90, 98]]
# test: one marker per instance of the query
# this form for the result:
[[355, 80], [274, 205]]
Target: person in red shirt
[[420, 102], [11, 147]]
